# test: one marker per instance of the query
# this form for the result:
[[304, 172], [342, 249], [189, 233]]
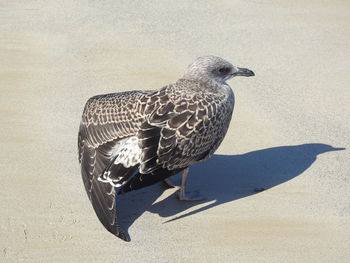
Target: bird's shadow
[[222, 179]]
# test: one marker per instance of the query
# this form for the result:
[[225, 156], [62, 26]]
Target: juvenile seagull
[[133, 139]]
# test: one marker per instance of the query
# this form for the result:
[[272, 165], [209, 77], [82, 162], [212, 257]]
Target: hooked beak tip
[[244, 72]]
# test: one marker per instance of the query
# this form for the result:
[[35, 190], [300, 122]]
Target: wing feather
[[106, 120], [101, 195], [183, 128], [174, 128]]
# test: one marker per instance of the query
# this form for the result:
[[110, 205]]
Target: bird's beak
[[242, 72]]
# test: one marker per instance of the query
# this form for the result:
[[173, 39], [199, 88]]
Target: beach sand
[[56, 54]]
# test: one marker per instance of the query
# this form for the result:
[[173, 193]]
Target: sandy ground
[[54, 55]]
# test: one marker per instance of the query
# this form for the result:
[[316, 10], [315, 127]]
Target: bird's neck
[[206, 85], [204, 79]]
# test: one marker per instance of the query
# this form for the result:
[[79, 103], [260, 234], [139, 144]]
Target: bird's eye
[[224, 70]]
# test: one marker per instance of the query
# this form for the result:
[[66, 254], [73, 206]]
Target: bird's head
[[214, 68]]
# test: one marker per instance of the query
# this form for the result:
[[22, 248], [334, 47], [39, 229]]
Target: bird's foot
[[189, 196]]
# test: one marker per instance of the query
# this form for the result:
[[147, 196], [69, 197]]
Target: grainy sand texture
[[288, 123]]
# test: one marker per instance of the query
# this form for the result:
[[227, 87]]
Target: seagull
[[130, 140]]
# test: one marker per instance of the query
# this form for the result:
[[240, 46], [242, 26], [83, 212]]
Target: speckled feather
[[133, 139], [177, 126]]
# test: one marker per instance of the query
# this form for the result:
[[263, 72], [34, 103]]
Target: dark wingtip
[[123, 236], [108, 217], [117, 231]]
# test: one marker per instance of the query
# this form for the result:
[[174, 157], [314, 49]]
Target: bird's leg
[[182, 195]]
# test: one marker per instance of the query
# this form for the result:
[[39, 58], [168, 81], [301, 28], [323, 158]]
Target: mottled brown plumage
[[133, 139]]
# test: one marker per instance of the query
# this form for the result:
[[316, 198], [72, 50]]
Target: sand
[[56, 54]]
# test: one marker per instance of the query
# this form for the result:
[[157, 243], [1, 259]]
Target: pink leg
[[182, 195]]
